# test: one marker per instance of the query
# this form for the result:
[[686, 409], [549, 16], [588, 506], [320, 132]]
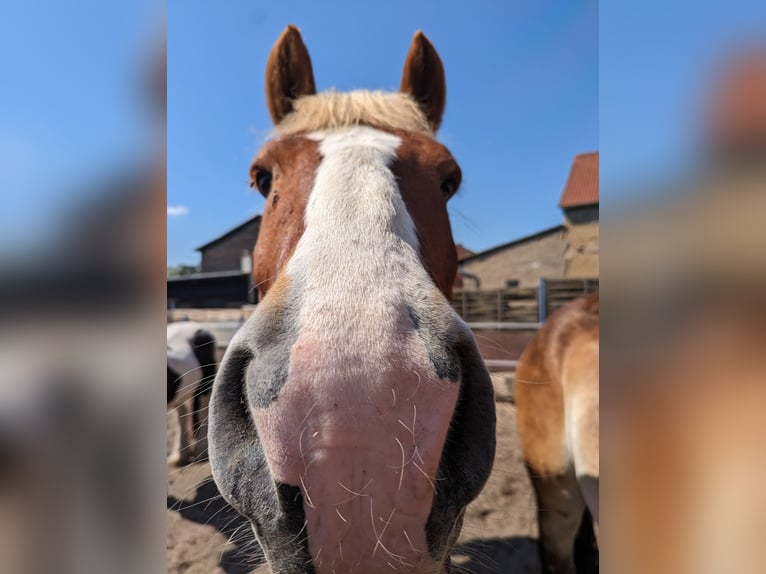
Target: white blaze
[[359, 252]]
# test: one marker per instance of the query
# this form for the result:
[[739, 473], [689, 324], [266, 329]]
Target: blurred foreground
[[82, 271], [683, 403]]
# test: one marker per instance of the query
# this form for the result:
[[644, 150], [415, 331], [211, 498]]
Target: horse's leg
[[589, 489], [204, 346], [585, 442], [175, 453], [184, 452], [560, 508], [542, 425], [199, 436], [586, 547], [582, 420]]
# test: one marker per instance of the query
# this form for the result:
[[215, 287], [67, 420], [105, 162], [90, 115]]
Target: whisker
[[305, 418], [198, 368], [300, 449], [404, 463], [306, 493], [416, 388], [407, 536], [428, 478], [378, 537], [287, 543], [254, 287], [356, 493], [528, 382]]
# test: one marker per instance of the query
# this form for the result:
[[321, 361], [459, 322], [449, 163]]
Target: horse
[[353, 419], [191, 370], [556, 393]]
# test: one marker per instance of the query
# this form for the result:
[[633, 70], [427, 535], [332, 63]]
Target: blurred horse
[[557, 401], [191, 370]]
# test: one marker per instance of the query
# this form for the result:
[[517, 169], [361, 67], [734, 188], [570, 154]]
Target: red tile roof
[[582, 185], [463, 252]]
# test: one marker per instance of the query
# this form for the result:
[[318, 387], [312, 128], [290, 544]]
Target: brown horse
[[352, 419], [557, 399]]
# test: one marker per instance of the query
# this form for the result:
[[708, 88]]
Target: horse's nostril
[[229, 401], [235, 369]]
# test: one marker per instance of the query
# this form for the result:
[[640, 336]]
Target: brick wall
[[525, 262], [582, 254]]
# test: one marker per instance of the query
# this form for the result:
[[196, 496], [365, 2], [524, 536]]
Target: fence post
[[499, 305], [462, 296], [542, 300]]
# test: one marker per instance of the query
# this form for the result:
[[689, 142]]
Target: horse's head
[[352, 419]]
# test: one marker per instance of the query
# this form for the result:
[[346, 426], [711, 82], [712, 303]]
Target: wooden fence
[[528, 305], [520, 304], [561, 291], [513, 305], [211, 315]]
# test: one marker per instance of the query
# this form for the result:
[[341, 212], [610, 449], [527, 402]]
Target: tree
[[181, 270]]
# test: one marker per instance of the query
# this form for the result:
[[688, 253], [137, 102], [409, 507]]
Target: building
[[227, 252], [462, 253], [225, 275], [579, 202], [518, 263], [567, 251]]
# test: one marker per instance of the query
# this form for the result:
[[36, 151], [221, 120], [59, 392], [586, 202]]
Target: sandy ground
[[205, 536]]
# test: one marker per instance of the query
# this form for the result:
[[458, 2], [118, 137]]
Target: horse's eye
[[450, 184], [262, 180]]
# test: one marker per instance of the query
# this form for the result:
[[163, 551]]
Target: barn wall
[[526, 262], [582, 254], [226, 254], [214, 292]]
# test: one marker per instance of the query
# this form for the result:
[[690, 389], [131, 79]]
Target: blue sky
[[71, 109], [522, 100], [530, 84], [658, 62]]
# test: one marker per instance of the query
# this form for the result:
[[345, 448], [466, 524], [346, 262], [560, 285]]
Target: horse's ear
[[288, 74], [423, 78]]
